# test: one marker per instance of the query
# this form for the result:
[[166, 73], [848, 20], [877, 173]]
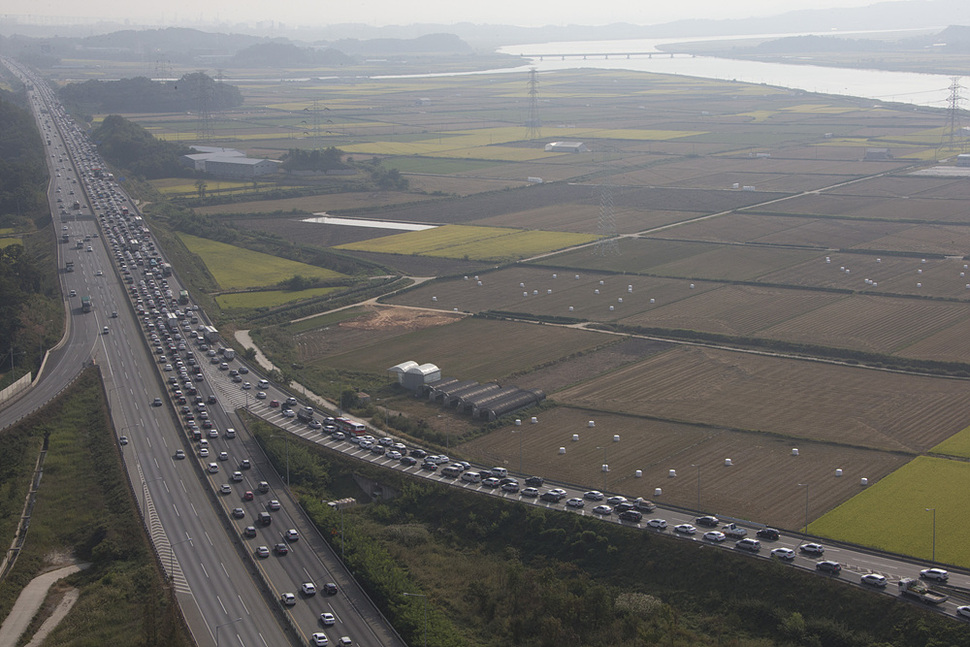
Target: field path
[[29, 601]]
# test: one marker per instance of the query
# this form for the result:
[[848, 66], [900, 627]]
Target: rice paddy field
[[752, 214], [236, 268]]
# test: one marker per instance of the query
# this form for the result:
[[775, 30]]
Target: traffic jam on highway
[[202, 374]]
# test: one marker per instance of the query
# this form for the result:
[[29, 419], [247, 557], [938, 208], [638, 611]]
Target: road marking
[[245, 608], [224, 570], [204, 570], [175, 507], [209, 539], [192, 505], [219, 598]]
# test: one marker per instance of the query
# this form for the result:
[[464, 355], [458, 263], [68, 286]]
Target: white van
[[263, 384], [499, 472], [213, 468], [230, 432], [451, 471], [469, 476]]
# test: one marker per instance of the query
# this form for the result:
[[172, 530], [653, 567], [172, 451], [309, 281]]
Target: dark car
[[620, 508], [631, 515], [281, 549], [553, 497], [429, 466], [534, 481], [828, 566], [769, 533], [418, 453], [410, 461], [330, 588], [708, 520]]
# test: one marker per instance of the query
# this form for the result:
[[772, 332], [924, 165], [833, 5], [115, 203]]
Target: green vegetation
[[239, 268], [85, 510], [268, 298], [126, 144], [499, 573], [956, 445], [328, 159], [141, 94], [891, 515], [472, 243]]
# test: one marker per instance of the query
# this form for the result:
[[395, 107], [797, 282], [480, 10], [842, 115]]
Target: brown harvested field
[[891, 274], [584, 218], [946, 345], [794, 399], [782, 230], [461, 186], [852, 206], [734, 309], [502, 290], [299, 232], [926, 239], [875, 324], [376, 325], [762, 484], [470, 349], [316, 203], [909, 186]]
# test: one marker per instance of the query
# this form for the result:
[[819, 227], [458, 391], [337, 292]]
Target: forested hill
[[141, 94], [23, 174], [127, 145]]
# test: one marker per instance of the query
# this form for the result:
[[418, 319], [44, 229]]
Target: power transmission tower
[[203, 127], [533, 125], [952, 139], [606, 226]]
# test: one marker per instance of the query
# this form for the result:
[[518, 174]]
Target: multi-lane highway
[[227, 595]]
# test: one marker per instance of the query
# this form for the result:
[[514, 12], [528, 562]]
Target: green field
[[956, 445], [892, 514], [473, 243], [267, 298], [7, 242], [235, 268]]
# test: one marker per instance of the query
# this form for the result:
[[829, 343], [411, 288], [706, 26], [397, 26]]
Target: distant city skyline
[[378, 13]]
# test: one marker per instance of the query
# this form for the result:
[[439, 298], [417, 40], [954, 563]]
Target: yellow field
[[891, 515], [167, 188], [819, 110], [956, 445], [7, 242], [235, 268], [478, 243], [267, 298]]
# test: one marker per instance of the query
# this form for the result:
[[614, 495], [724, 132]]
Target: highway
[[227, 596]]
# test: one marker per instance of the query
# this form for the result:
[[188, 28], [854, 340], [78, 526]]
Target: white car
[[288, 599], [786, 554], [685, 529], [594, 495], [225, 489], [327, 619], [963, 611], [937, 574], [659, 524], [308, 589], [874, 579], [575, 502], [246, 386], [319, 638], [260, 395], [203, 452], [291, 535], [812, 549], [714, 535]]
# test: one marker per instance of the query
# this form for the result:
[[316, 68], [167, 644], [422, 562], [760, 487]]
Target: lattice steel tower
[[533, 126], [606, 226], [952, 139], [203, 128]]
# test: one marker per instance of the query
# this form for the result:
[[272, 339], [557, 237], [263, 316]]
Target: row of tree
[[125, 144], [190, 93]]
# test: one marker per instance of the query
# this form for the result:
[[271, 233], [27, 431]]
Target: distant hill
[[288, 55]]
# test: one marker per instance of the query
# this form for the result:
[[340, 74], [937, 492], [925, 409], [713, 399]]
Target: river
[[931, 90]]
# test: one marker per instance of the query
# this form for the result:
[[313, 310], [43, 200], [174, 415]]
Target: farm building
[[566, 147], [878, 154], [228, 163], [413, 376], [487, 401], [963, 159]]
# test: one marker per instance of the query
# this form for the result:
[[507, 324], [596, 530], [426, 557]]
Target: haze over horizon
[[378, 13]]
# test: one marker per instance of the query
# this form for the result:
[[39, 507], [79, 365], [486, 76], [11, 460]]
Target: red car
[[248, 496], [274, 403]]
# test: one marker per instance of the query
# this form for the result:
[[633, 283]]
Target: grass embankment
[[84, 510], [499, 573]]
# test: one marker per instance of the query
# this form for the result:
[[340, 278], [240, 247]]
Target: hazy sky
[[399, 12]]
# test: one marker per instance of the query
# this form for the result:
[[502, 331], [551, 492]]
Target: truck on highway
[[305, 414], [734, 530], [85, 304], [65, 238], [68, 266], [183, 294], [915, 588]]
